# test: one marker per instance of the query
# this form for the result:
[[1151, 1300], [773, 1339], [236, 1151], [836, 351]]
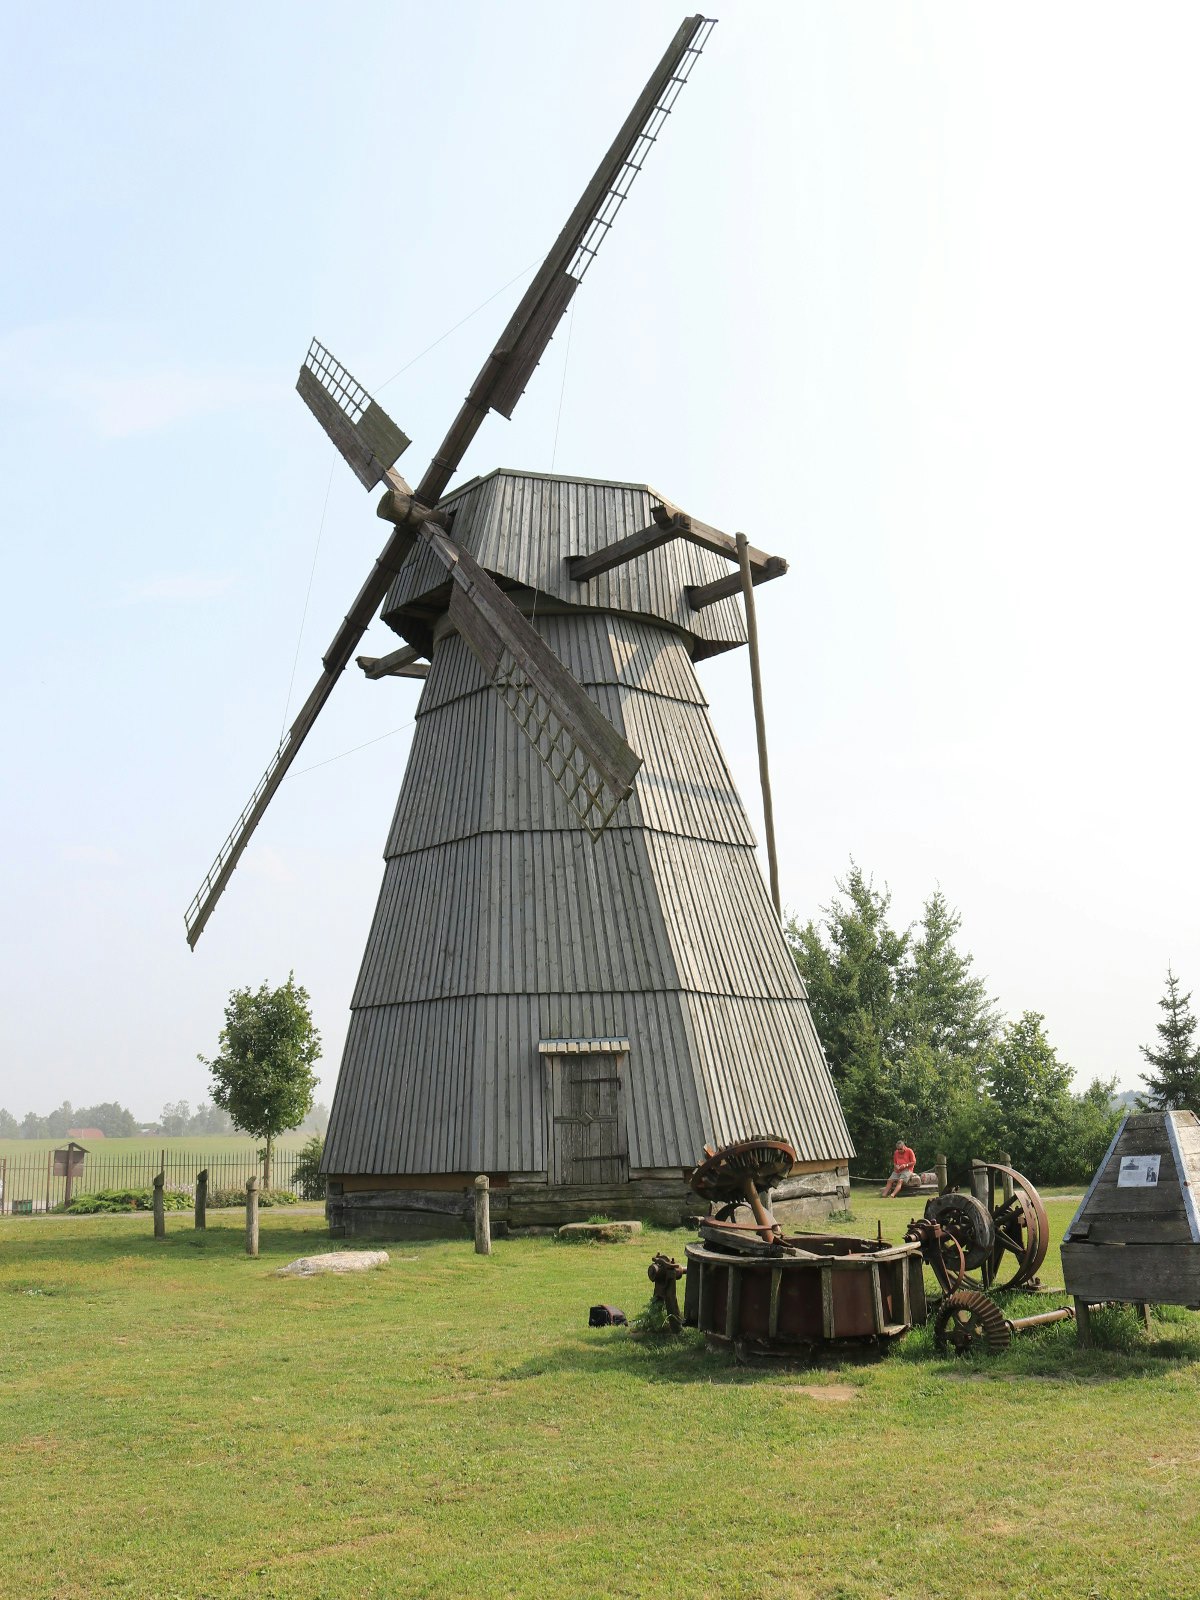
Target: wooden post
[[1083, 1324], [760, 727], [943, 1172], [1006, 1182], [981, 1189], [160, 1220], [202, 1198], [1144, 1307], [252, 1216], [483, 1216]]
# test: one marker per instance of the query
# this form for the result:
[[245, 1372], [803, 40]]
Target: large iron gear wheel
[[968, 1321], [764, 1159]]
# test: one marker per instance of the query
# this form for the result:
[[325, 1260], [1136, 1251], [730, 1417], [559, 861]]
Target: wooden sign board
[[68, 1163]]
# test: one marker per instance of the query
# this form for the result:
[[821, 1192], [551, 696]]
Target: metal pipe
[[760, 728], [1063, 1314]]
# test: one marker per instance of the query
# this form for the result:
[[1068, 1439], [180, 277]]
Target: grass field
[[176, 1422], [217, 1144]]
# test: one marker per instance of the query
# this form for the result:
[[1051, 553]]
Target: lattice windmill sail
[[367, 437], [574, 979]]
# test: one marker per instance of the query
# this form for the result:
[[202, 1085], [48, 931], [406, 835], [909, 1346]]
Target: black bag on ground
[[606, 1317]]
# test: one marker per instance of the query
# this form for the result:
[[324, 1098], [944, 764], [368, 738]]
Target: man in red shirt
[[903, 1162]]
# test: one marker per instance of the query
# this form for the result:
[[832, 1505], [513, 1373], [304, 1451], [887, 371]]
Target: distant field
[[216, 1144]]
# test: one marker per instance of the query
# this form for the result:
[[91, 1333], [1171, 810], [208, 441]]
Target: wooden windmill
[[575, 979]]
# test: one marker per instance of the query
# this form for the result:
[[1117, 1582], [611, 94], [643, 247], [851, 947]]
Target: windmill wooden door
[[588, 1142]]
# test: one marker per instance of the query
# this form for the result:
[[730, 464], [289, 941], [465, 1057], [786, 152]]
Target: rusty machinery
[[969, 1320], [765, 1292], [750, 1285], [963, 1233]]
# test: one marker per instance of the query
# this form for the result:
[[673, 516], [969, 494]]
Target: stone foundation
[[442, 1211]]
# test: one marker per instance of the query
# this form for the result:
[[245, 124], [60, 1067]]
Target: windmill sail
[[584, 754], [362, 430], [341, 648], [509, 367]]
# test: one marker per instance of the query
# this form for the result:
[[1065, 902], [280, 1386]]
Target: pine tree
[[1174, 1084], [944, 1005], [852, 969]]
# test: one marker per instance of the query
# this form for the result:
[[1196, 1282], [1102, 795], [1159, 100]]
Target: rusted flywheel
[[968, 1322], [1021, 1229], [1015, 1226], [968, 1222]]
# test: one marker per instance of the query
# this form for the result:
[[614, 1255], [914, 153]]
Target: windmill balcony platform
[[438, 1206]]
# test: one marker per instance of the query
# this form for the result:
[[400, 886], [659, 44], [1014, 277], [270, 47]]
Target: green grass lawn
[[175, 1421]]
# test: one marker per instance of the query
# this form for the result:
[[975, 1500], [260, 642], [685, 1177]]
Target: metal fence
[[28, 1184]]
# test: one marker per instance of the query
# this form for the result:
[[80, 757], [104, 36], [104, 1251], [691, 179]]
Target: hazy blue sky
[[906, 292]]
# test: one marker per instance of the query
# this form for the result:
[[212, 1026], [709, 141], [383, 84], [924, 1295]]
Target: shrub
[[86, 1205], [307, 1174], [237, 1197]]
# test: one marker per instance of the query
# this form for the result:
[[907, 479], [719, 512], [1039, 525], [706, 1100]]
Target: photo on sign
[[1138, 1172]]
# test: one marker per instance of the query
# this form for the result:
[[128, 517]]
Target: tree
[[943, 1003], [9, 1126], [852, 974], [1174, 1084], [1030, 1092], [112, 1119], [263, 1075], [175, 1120], [904, 1021]]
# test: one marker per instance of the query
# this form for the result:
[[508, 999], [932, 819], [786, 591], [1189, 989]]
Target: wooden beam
[[700, 595], [710, 538], [405, 663], [660, 531], [746, 579]]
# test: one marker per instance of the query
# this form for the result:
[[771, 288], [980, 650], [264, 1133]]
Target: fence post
[[1006, 1182], [943, 1172], [202, 1198], [252, 1216], [483, 1216], [160, 1221]]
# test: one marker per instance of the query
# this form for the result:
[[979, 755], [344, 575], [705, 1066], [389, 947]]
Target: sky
[[906, 292]]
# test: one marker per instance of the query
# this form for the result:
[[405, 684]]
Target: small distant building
[[85, 1133]]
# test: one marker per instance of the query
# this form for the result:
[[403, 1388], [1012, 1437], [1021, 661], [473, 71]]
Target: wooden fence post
[[252, 1216], [483, 1216], [160, 1221], [1006, 1183], [202, 1198], [943, 1172]]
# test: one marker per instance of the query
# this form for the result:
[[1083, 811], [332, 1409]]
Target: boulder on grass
[[334, 1261], [606, 1232]]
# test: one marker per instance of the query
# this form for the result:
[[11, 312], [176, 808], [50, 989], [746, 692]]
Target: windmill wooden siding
[[501, 926]]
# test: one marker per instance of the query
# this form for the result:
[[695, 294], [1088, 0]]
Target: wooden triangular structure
[[1136, 1234]]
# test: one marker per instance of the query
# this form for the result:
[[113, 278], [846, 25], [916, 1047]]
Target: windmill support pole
[[760, 726]]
